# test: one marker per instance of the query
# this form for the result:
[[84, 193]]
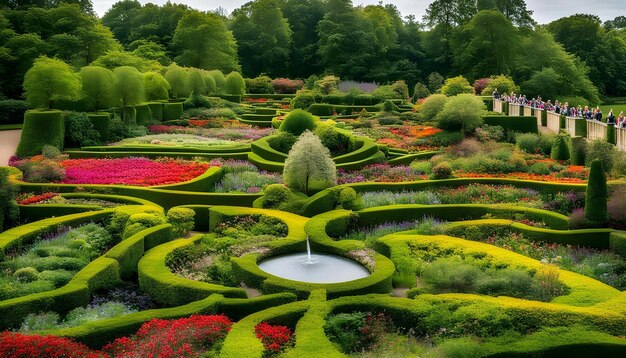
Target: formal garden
[[194, 208]]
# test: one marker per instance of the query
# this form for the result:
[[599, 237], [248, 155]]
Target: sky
[[545, 11]]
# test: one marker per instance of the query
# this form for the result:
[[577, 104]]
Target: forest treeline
[[577, 55]]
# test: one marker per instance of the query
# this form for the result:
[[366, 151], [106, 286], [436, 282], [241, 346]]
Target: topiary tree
[[603, 151], [431, 107], [577, 150], [156, 86], [235, 84], [309, 162], [209, 82], [196, 83], [596, 211], [462, 112], [97, 83], [50, 80], [9, 211], [128, 87], [182, 220], [178, 79], [220, 80], [560, 148], [298, 121], [456, 85]]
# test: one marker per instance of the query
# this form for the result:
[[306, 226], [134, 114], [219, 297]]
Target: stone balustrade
[[554, 122], [514, 109], [620, 138], [498, 106], [596, 130]]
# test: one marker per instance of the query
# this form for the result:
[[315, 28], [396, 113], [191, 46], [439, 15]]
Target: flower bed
[[243, 177], [236, 132], [275, 338], [131, 171], [177, 140]]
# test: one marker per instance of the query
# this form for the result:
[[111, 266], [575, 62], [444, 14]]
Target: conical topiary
[[560, 148], [596, 198], [578, 150]]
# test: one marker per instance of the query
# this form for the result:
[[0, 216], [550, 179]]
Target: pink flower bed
[[131, 171]]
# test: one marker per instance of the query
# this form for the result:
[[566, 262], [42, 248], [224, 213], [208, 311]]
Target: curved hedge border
[[78, 154], [168, 289], [239, 148], [95, 334], [102, 273]]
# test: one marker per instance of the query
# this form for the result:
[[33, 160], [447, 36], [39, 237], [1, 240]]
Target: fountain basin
[[319, 268]]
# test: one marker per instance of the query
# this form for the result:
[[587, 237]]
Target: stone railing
[[514, 109], [596, 130], [554, 122], [498, 106], [620, 138], [570, 125]]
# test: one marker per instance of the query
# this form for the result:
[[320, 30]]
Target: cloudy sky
[[545, 10]]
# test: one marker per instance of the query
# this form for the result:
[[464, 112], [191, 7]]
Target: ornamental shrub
[[442, 170], [303, 100], [455, 86], [349, 199], [336, 141], [26, 274], [275, 338], [282, 141], [462, 112], [596, 211], [309, 162], [156, 86], [182, 219], [274, 195], [298, 121], [220, 80], [528, 142], [79, 131], [560, 148], [235, 84], [287, 86], [603, 151], [259, 85], [50, 80], [480, 85], [327, 85], [196, 83], [178, 80], [431, 107]]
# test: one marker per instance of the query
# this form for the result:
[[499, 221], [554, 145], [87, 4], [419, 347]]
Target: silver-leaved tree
[[309, 162]]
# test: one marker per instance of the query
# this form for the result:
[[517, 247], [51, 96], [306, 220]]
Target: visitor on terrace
[[598, 115], [495, 94], [621, 122], [588, 113], [610, 119]]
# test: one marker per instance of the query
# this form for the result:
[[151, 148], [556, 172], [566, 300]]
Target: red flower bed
[[185, 337], [274, 338], [521, 176], [17, 345], [131, 171], [34, 199]]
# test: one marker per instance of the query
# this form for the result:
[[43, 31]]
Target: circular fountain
[[314, 268]]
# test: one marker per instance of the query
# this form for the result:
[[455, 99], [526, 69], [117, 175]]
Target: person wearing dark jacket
[[610, 119]]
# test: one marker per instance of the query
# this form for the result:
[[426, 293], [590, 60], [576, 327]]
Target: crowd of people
[[563, 108]]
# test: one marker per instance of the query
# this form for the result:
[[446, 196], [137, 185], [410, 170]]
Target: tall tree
[[50, 80], [119, 18], [303, 17], [128, 87], [203, 41], [309, 162], [97, 84], [345, 46], [263, 37]]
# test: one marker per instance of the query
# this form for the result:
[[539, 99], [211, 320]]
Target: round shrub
[[502, 83], [26, 274], [349, 199], [431, 107], [603, 151], [577, 150], [235, 84], [182, 219], [560, 148], [57, 277], [50, 152], [529, 143], [274, 195], [282, 141], [298, 121], [455, 86], [259, 85], [303, 100], [462, 112], [79, 131], [442, 170], [333, 139]]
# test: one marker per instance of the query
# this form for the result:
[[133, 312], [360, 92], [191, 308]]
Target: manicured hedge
[[258, 117], [156, 110], [12, 111], [172, 111], [101, 122], [201, 217], [202, 183], [170, 290], [410, 158], [263, 149], [95, 334], [518, 124], [324, 109], [41, 128], [144, 115], [218, 149], [23, 235]]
